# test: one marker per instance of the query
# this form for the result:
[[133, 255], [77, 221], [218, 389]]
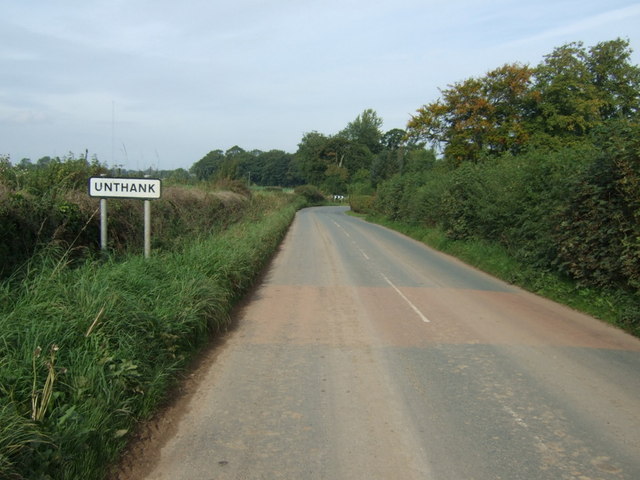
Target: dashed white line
[[341, 228], [352, 240], [415, 309]]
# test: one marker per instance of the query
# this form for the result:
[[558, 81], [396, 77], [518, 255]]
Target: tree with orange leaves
[[479, 116]]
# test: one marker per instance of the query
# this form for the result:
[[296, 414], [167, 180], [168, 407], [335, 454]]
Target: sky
[[158, 83]]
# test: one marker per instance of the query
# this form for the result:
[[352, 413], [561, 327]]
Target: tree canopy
[[572, 91], [272, 168]]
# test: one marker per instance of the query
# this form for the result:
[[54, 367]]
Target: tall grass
[[89, 351]]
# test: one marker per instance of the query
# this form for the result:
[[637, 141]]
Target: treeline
[[353, 160], [272, 168]]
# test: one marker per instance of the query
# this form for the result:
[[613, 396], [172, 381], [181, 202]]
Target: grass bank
[[617, 307], [89, 351]]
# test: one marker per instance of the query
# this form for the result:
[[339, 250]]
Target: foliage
[[38, 206], [310, 193], [35, 216], [361, 203], [50, 175], [89, 351], [272, 168], [572, 211], [335, 162], [544, 162], [365, 131], [479, 116], [599, 234], [557, 103]]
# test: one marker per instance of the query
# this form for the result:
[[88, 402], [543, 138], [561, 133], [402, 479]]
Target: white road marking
[[361, 251], [353, 241], [515, 416], [415, 309], [341, 228]]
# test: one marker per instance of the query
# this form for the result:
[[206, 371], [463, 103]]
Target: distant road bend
[[365, 355]]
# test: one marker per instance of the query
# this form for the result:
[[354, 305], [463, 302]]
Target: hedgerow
[[571, 211]]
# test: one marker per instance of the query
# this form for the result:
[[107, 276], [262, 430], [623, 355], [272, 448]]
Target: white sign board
[[110, 187]]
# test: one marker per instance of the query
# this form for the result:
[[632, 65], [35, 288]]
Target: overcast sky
[[159, 83]]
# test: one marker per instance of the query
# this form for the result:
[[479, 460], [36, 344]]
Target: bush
[[33, 217], [361, 203], [599, 231], [235, 186], [311, 193]]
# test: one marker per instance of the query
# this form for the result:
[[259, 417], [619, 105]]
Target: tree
[[508, 91], [234, 151], [311, 158], [390, 159], [206, 167], [179, 176], [571, 92], [393, 139], [568, 100], [478, 116], [365, 130], [617, 81], [273, 168], [237, 164]]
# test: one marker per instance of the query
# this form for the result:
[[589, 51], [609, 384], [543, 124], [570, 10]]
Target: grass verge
[[617, 307], [90, 351]]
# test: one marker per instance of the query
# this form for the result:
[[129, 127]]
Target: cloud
[[23, 117], [575, 28], [191, 76]]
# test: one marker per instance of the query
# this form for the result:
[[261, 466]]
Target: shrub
[[311, 193], [361, 203], [599, 234]]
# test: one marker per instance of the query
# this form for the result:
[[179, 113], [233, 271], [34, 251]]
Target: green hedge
[[573, 211]]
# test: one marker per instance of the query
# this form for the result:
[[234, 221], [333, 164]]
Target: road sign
[[112, 187]]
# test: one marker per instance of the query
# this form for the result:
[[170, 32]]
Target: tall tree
[[206, 167], [365, 130], [568, 101], [390, 159], [478, 116], [617, 80], [311, 158]]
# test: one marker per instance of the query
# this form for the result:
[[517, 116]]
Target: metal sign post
[[103, 224], [147, 228], [139, 188]]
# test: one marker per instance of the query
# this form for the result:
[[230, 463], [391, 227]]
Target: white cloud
[[575, 28], [187, 77], [23, 117]]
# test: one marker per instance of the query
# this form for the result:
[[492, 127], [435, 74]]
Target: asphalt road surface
[[365, 355]]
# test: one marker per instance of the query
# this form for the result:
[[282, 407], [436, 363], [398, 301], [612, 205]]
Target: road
[[365, 355]]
